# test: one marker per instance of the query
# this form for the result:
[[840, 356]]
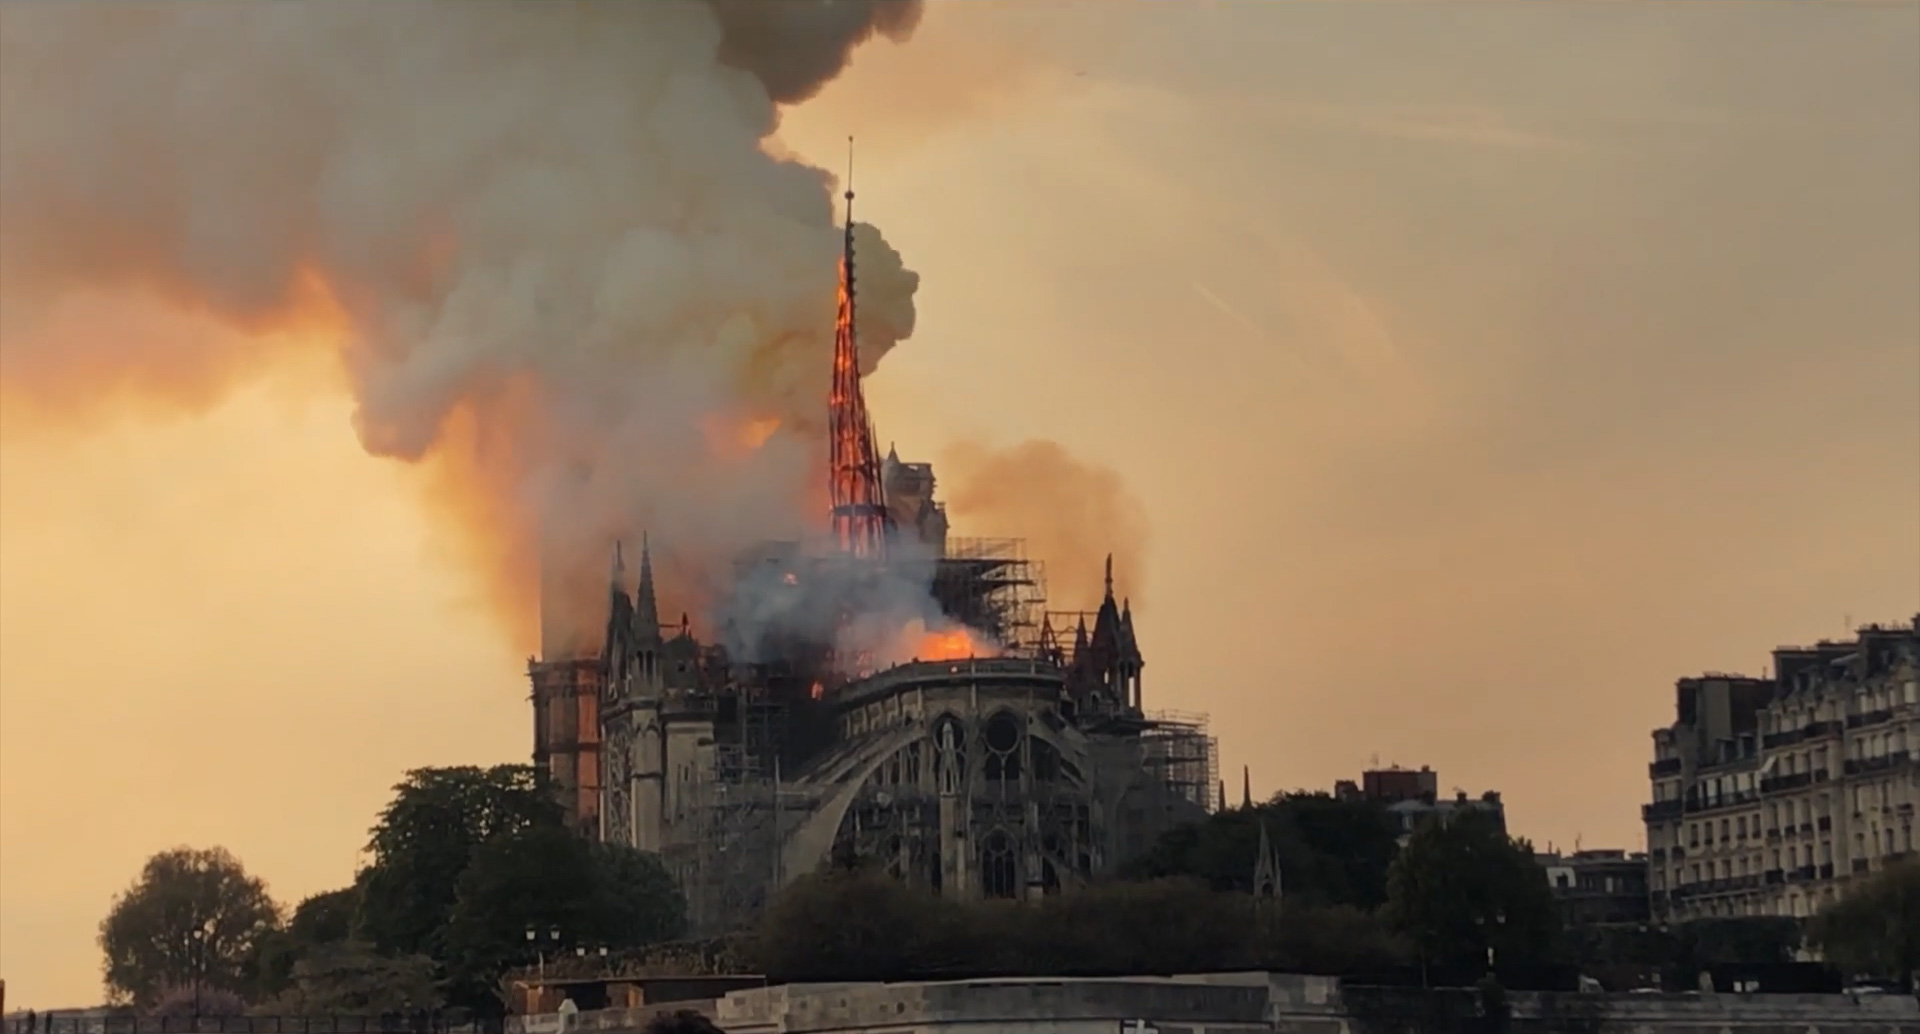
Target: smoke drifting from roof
[[556, 261]]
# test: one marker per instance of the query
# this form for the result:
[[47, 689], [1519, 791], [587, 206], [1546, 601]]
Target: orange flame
[[953, 645]]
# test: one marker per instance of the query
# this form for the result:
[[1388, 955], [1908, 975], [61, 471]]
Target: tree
[[319, 921], [1875, 928], [438, 819], [856, 924], [350, 978], [194, 919], [636, 901], [1160, 926], [1337, 940], [1331, 852], [187, 1000], [545, 879], [1465, 894]]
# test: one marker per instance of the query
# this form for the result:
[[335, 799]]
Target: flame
[[953, 644], [817, 691]]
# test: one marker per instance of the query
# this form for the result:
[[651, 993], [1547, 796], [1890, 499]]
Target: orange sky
[[1480, 370]]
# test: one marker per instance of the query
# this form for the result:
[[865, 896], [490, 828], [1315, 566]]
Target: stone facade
[[1768, 795], [1598, 886], [1027, 770], [1243, 1002]]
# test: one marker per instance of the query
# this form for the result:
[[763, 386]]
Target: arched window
[[999, 869], [1003, 746]]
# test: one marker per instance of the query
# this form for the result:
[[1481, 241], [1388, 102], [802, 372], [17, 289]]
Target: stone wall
[[1217, 1003]]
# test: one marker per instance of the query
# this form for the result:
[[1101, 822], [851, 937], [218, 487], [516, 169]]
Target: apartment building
[[1768, 795], [1413, 797], [1598, 886]]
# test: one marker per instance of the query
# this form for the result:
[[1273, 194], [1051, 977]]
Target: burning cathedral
[[894, 696]]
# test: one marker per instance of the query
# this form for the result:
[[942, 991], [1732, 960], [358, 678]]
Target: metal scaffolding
[[1183, 755], [991, 585]]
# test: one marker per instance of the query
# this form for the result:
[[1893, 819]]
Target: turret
[[1266, 868], [646, 609], [616, 654]]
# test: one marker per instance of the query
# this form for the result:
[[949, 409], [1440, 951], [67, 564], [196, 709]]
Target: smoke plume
[[557, 263], [1072, 513]]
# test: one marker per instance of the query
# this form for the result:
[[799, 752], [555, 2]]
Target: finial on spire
[[1109, 576], [849, 179], [1246, 786], [619, 568]]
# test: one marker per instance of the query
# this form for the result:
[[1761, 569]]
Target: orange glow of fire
[[735, 437], [817, 691], [952, 645]]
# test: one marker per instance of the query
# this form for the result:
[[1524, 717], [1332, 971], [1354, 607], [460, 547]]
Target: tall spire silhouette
[[646, 610], [859, 514]]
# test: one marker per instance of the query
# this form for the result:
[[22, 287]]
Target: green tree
[[1335, 940], [193, 918], [438, 819], [543, 879], [637, 902], [1875, 928], [1159, 926], [1331, 852], [856, 924], [1463, 887], [350, 978], [319, 921]]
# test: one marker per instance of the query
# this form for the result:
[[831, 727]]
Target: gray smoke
[[558, 261], [795, 48], [786, 600]]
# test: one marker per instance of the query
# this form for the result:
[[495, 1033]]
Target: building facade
[[1598, 887], [1770, 794], [1011, 774], [893, 697], [1412, 797]]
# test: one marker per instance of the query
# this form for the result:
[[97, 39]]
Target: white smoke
[[560, 249]]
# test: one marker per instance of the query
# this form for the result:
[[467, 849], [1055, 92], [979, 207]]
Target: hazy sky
[[1482, 369]]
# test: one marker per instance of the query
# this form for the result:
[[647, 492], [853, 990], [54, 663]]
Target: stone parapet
[[1222, 1002]]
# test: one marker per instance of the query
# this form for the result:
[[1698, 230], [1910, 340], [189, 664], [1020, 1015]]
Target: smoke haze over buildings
[[546, 242]]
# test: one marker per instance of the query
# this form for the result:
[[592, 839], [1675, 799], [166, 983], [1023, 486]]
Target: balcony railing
[[1861, 721], [1856, 766], [1789, 737], [1782, 783], [1664, 767], [1661, 810]]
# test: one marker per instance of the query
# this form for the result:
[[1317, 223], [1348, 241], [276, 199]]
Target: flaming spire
[[859, 509]]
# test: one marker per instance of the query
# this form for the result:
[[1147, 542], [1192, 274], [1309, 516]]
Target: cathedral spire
[[646, 609], [859, 513], [1246, 786], [618, 580], [1109, 577]]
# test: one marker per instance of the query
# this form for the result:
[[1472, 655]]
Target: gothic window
[[1003, 747], [999, 869]]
